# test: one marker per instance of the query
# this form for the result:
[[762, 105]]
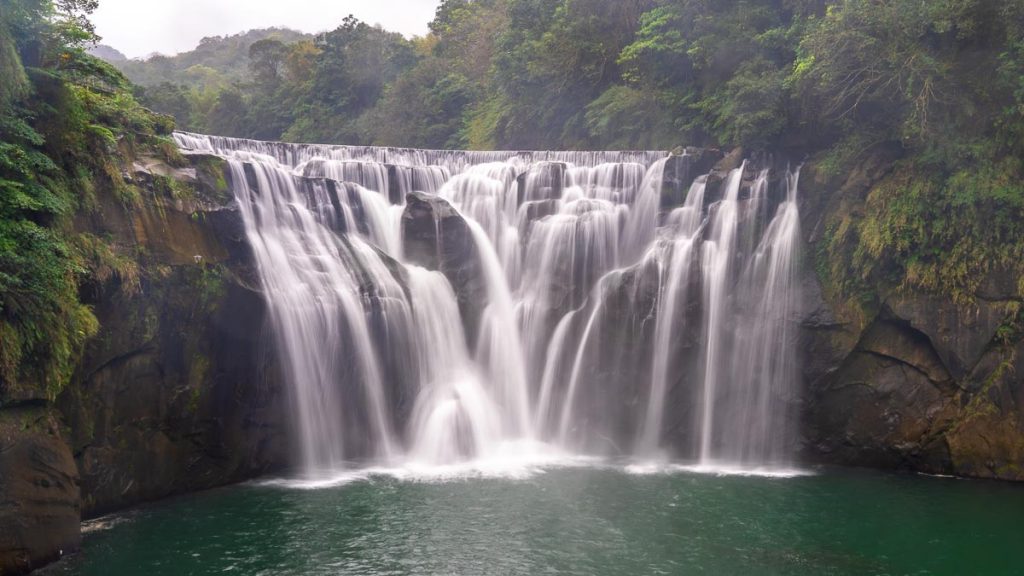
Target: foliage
[[940, 234], [351, 68], [66, 122], [217, 62], [629, 118], [423, 108]]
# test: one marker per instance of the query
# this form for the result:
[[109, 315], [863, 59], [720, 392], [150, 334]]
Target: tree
[[228, 116], [266, 60]]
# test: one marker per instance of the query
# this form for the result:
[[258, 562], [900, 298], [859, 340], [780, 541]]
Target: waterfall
[[717, 264], [674, 281], [453, 415], [434, 307]]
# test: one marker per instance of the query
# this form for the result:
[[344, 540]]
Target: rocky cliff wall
[[179, 390], [897, 378]]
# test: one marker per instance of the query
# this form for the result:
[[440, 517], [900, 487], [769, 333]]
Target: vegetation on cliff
[[939, 83], [68, 126]]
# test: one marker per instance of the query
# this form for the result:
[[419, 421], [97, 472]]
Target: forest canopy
[[793, 74]]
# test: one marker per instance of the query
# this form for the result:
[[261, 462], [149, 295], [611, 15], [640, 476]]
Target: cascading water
[[610, 318], [674, 283]]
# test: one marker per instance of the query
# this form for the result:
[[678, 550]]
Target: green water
[[573, 521]]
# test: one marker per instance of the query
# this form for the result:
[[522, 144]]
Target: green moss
[[853, 295], [1012, 329], [921, 229], [198, 370], [221, 182], [168, 150], [70, 129], [211, 285], [105, 262], [212, 171], [980, 405], [173, 189], [1009, 470]]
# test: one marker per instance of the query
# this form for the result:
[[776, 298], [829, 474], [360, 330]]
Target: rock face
[[436, 237], [910, 381], [175, 397], [544, 182], [614, 382], [680, 171], [39, 499], [178, 392]]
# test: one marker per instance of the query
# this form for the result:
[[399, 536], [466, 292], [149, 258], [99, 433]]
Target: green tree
[[353, 65]]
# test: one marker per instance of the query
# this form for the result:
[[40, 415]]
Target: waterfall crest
[[436, 307]]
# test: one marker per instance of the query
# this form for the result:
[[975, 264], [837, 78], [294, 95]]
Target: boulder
[[681, 171], [39, 494], [544, 181]]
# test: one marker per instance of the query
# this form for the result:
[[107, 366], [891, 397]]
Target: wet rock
[[180, 392], [987, 440], [959, 332], [731, 161], [39, 494], [893, 404], [539, 209], [148, 167], [825, 338], [681, 171], [720, 173], [534, 211], [435, 236], [886, 406], [610, 402], [544, 181], [180, 389], [907, 380]]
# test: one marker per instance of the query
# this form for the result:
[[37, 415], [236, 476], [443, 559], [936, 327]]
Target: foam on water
[[521, 461], [515, 460]]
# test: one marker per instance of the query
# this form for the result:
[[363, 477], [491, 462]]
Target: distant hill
[[216, 61], [108, 53]]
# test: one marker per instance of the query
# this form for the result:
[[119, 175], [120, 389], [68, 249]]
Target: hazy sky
[[140, 27]]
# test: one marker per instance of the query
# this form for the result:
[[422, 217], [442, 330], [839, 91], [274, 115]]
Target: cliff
[[900, 377], [177, 392]]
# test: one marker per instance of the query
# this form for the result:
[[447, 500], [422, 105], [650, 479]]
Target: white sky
[[141, 27]]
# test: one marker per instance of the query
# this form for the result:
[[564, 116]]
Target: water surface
[[585, 521]]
